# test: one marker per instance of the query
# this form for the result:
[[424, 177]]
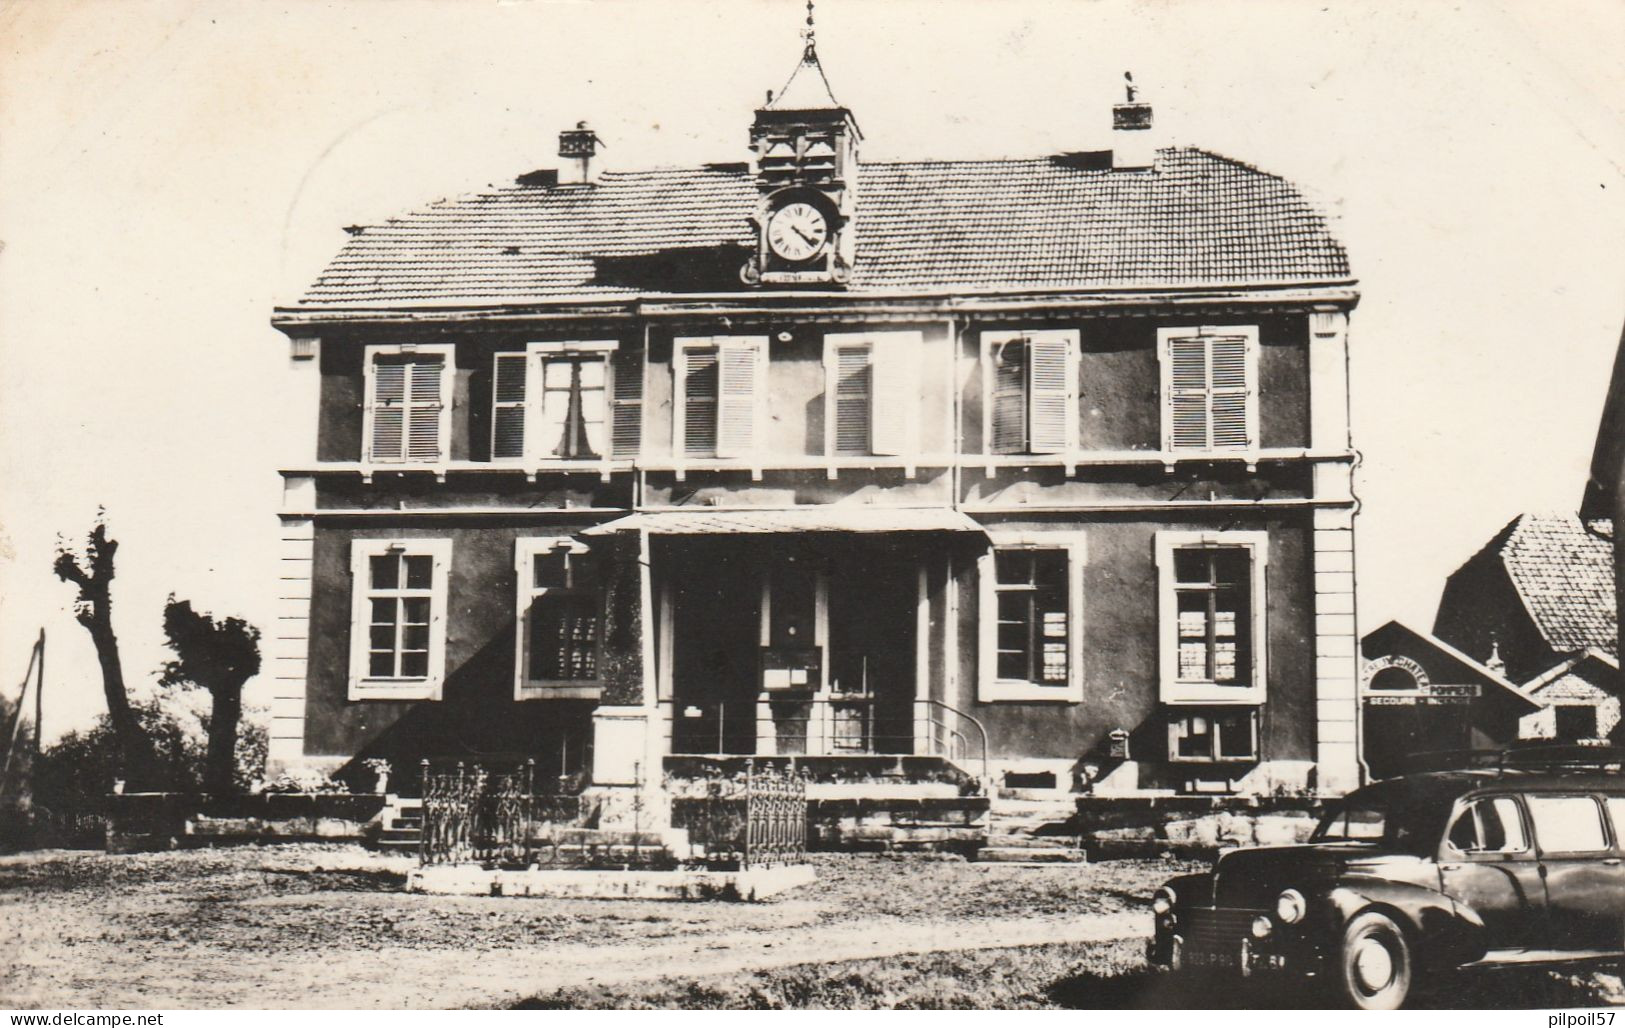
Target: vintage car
[[1416, 876]]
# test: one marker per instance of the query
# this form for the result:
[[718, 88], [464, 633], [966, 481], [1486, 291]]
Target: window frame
[[681, 347], [989, 342], [1165, 338], [447, 353], [1176, 691], [1469, 805], [1604, 823], [536, 355], [526, 550], [990, 687], [1184, 715], [362, 684]]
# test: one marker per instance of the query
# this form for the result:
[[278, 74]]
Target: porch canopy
[[824, 518]]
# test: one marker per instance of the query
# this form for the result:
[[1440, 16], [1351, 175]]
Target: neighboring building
[[1423, 700], [1579, 699], [1537, 604], [823, 457], [1539, 592]]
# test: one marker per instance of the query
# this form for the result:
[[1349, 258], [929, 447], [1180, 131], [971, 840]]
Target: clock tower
[[806, 147]]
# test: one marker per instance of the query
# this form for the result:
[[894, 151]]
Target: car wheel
[[1374, 963]]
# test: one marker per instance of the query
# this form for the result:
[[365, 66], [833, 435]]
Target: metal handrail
[[981, 730]]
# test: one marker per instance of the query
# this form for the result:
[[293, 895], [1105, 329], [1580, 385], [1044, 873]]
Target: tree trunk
[[137, 759], [219, 774]]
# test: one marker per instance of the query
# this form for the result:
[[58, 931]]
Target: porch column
[[922, 665], [626, 763]]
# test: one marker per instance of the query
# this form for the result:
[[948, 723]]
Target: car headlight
[[1262, 927], [1162, 901], [1290, 906]]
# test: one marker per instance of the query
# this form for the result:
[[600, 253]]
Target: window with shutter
[[894, 409], [1049, 381], [721, 385], [408, 404], [699, 385], [626, 412], [1209, 388], [871, 393], [1010, 396], [736, 401], [398, 623], [1032, 391], [852, 399], [509, 373]]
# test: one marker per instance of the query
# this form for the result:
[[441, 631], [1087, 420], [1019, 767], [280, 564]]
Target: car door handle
[[1450, 867], [1611, 862]]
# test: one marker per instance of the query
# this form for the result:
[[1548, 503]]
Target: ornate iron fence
[[471, 814], [755, 819]]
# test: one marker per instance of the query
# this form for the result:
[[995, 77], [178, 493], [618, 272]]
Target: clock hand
[[805, 238]]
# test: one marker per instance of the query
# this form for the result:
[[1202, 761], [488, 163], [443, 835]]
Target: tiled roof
[[1196, 219], [1565, 574]]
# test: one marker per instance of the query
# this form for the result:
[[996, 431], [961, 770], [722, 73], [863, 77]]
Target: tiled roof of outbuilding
[[1196, 219], [1565, 574]]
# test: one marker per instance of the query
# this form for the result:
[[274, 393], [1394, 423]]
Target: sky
[[171, 169]]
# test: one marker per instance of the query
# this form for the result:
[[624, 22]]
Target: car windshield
[[1382, 818]]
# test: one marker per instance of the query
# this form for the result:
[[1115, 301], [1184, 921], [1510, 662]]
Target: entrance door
[[716, 603], [872, 652]]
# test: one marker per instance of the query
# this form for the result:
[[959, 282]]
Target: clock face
[[797, 231]]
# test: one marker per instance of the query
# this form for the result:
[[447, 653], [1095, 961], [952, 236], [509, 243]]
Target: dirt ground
[[319, 926], [329, 927]]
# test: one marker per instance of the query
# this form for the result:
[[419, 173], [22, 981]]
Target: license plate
[[1186, 957]]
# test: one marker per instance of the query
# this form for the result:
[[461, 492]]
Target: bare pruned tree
[[220, 656], [91, 570]]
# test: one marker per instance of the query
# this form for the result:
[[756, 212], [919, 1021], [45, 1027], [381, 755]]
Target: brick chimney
[[1133, 145], [579, 144]]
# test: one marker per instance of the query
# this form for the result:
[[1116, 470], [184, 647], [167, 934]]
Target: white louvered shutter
[[1231, 397], [508, 405], [425, 403], [699, 387], [1009, 421], [626, 403], [737, 433], [1049, 371], [854, 376], [1187, 393], [388, 404], [894, 408]]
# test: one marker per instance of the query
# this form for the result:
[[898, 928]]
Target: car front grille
[[1219, 930]]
